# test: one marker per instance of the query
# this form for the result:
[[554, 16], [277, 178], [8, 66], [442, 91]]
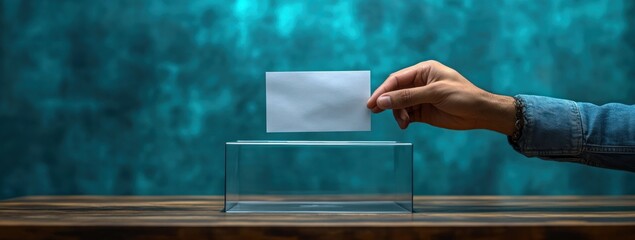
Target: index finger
[[403, 78]]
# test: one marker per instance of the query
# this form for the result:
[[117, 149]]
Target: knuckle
[[433, 63], [395, 80], [430, 66], [405, 97]]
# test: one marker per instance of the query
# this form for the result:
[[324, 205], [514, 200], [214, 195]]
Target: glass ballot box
[[318, 176]]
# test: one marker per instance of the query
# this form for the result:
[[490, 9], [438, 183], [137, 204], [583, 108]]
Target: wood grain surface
[[201, 217]]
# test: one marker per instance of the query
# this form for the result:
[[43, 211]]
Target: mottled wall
[[138, 97]]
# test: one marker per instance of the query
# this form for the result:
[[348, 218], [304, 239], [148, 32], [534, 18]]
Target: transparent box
[[318, 176]]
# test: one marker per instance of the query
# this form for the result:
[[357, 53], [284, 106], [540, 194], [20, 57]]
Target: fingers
[[404, 78], [408, 97], [402, 117], [397, 80]]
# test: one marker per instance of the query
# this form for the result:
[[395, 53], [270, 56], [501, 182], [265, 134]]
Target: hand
[[433, 93]]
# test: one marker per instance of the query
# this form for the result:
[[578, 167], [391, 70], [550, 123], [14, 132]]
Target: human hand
[[433, 93]]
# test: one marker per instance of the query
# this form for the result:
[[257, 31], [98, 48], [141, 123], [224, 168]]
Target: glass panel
[[318, 176]]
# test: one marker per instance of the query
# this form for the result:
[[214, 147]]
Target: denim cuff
[[553, 127]]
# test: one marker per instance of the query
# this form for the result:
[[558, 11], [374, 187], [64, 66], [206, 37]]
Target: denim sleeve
[[564, 130]]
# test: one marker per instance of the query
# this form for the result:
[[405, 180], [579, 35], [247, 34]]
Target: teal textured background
[[138, 97]]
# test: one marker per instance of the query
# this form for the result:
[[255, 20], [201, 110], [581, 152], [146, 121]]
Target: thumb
[[405, 98]]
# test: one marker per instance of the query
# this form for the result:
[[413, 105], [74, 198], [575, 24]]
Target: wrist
[[501, 114]]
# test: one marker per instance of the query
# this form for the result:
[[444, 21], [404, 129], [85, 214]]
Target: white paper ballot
[[317, 101]]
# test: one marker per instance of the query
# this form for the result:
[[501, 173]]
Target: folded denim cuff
[[553, 127]]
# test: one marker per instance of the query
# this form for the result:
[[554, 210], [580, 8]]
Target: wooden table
[[200, 217]]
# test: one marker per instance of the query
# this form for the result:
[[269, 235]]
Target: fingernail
[[384, 102], [404, 116]]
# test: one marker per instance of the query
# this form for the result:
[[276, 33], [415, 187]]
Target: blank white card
[[317, 101]]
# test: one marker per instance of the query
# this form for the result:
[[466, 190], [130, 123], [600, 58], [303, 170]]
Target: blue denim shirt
[[564, 130]]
